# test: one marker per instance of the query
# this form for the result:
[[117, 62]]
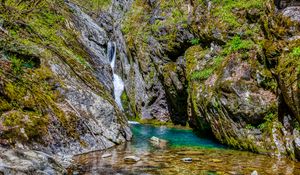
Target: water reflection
[[208, 157]]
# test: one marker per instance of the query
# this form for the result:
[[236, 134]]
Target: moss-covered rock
[[241, 67], [55, 79]]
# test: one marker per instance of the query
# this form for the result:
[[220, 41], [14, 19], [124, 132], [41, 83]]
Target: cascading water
[[117, 80]]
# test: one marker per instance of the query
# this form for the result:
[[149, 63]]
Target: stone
[[106, 155], [254, 172], [28, 162], [157, 142], [292, 12], [187, 159], [131, 159]]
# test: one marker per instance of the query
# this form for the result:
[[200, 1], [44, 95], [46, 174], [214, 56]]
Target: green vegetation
[[296, 52], [195, 41], [209, 70], [38, 33], [203, 74], [225, 10], [94, 6], [237, 44]]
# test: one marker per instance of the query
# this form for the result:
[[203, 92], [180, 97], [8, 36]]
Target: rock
[[292, 12], [132, 159], [254, 173], [157, 142], [28, 162], [74, 79], [106, 155], [188, 160]]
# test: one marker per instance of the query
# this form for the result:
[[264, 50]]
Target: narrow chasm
[[150, 87]]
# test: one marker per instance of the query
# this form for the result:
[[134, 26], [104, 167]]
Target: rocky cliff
[[55, 82], [228, 68]]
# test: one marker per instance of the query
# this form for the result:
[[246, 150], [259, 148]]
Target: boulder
[[157, 142], [131, 159], [28, 162]]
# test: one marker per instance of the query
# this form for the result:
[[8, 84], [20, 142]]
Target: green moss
[[4, 105], [195, 41], [296, 52], [237, 44], [24, 126], [268, 123], [203, 74], [208, 70], [225, 9]]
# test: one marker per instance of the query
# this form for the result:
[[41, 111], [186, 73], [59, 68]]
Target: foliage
[[209, 70], [237, 44], [195, 41], [225, 9], [296, 52], [93, 5]]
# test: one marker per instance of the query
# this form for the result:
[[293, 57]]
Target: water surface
[[208, 157]]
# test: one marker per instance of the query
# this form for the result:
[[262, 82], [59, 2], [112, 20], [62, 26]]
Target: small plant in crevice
[[195, 41], [208, 71], [296, 52], [238, 44]]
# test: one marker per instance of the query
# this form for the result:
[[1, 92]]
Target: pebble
[[132, 159], [254, 173], [106, 155], [188, 159]]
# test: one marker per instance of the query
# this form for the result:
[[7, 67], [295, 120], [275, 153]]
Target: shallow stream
[[208, 157]]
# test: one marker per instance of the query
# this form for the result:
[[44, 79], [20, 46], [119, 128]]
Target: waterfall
[[117, 80]]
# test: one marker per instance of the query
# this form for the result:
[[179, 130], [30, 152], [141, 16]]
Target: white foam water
[[117, 80]]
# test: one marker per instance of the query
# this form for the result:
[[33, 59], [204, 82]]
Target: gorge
[[74, 72]]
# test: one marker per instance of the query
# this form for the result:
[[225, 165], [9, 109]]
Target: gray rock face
[[154, 91], [94, 39], [101, 124], [292, 12], [23, 162], [95, 121], [86, 117]]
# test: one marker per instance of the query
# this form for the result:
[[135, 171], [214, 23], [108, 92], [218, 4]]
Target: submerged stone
[[188, 159], [106, 155], [132, 159], [157, 142]]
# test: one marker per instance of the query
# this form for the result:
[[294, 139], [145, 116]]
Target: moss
[[93, 6], [203, 74], [24, 126], [225, 10], [4, 105], [296, 52], [237, 44], [192, 55]]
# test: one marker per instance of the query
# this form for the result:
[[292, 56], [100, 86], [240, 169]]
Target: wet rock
[[254, 173], [95, 40], [132, 159], [106, 155], [28, 162], [157, 142], [187, 160], [292, 12]]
